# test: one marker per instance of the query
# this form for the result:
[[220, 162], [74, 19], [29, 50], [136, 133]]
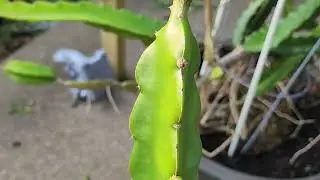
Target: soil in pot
[[275, 163]]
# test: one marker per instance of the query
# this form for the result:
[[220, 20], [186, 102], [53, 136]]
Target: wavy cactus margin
[[163, 121]]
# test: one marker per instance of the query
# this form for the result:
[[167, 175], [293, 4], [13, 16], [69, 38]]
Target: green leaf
[[316, 31], [311, 23], [252, 19], [288, 7], [164, 118], [26, 72], [254, 42], [278, 70], [120, 21], [295, 45]]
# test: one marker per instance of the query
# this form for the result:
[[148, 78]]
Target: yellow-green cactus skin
[[164, 119]]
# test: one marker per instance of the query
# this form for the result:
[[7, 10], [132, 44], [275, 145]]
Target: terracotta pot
[[211, 170]]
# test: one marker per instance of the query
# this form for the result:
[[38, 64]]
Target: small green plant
[[289, 39], [286, 42], [287, 26], [281, 47], [252, 19]]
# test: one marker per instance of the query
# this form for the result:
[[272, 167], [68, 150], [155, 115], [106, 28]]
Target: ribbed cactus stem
[[167, 143], [180, 7]]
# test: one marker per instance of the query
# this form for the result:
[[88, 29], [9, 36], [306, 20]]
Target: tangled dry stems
[[230, 96]]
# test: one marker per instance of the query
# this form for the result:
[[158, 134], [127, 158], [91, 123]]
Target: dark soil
[[275, 163]]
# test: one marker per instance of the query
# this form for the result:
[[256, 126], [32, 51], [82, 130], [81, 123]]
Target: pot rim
[[213, 169]]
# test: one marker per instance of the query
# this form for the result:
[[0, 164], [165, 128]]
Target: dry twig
[[284, 115], [111, 100], [208, 54], [233, 93], [233, 97], [294, 109], [218, 150], [212, 106], [208, 42], [237, 54], [289, 101], [304, 150]]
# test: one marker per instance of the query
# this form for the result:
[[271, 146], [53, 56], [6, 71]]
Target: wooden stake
[[115, 46]]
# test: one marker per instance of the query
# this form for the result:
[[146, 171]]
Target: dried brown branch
[[208, 42], [218, 150], [294, 109], [235, 55], [205, 90], [208, 54], [111, 100], [304, 150], [282, 114], [233, 97], [212, 106], [290, 102]]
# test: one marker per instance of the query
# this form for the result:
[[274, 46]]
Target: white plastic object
[[82, 68]]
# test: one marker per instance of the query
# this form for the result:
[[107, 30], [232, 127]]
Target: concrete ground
[[60, 142], [57, 141]]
